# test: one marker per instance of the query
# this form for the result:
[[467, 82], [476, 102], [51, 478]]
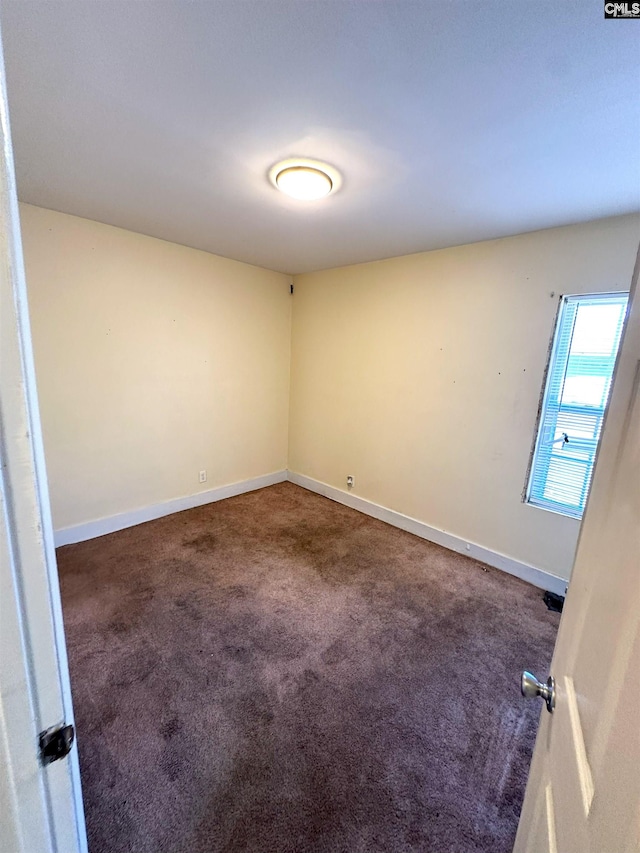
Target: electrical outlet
[[203, 476], [351, 481]]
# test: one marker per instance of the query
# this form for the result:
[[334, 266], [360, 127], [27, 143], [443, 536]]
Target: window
[[583, 355]]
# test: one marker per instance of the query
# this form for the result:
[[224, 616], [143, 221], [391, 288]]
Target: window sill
[[555, 511]]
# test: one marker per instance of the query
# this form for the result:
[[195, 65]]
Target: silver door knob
[[530, 688]]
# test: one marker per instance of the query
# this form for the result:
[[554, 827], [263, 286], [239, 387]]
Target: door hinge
[[56, 743]]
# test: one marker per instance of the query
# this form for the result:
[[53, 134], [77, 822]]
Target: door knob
[[530, 688]]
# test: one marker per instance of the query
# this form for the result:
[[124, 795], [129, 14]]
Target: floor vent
[[553, 601]]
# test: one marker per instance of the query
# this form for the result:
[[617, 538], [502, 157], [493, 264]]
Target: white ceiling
[[451, 122]]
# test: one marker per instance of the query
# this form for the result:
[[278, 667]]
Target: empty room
[[320, 410]]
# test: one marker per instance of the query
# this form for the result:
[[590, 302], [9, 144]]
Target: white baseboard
[[537, 577], [91, 529], [101, 526]]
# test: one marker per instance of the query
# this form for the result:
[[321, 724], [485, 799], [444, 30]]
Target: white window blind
[[578, 381]]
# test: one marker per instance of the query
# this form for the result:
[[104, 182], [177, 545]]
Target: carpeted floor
[[276, 673]]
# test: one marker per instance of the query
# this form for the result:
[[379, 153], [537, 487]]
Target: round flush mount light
[[306, 180], [304, 183]]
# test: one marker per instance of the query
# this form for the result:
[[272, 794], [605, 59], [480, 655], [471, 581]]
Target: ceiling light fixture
[[304, 183], [306, 180]]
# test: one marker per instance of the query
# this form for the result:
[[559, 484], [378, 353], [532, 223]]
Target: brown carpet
[[276, 673]]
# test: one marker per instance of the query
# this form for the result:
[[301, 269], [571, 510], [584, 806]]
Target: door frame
[[42, 805]]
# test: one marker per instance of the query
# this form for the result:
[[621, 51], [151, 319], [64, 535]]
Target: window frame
[[554, 345]]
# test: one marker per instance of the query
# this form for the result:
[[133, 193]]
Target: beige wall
[[153, 362], [421, 376]]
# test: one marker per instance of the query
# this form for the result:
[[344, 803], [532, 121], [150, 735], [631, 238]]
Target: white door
[[583, 794], [40, 806]]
